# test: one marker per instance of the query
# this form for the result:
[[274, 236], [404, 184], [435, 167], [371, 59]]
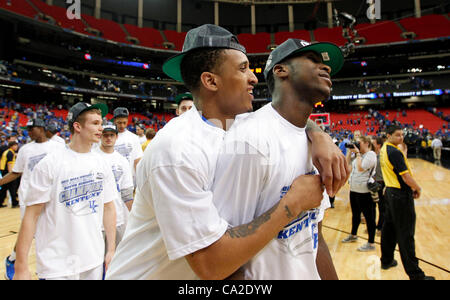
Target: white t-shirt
[[27, 158], [173, 214], [262, 155], [123, 178], [142, 139], [57, 138], [129, 146], [74, 187]]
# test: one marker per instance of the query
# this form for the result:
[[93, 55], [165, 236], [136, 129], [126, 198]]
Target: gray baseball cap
[[81, 107], [205, 36], [331, 54], [110, 127], [52, 127], [121, 112]]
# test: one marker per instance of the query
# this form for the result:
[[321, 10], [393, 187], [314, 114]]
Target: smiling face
[[310, 76], [235, 82], [89, 126]]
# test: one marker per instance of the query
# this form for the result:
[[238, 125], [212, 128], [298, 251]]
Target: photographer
[[362, 159]]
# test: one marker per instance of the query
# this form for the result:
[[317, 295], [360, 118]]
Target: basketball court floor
[[432, 232]]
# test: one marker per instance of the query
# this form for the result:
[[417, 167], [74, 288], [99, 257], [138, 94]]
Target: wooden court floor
[[432, 232]]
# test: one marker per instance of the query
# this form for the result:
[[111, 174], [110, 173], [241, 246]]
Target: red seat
[[282, 36], [255, 43], [20, 7], [148, 37], [177, 38], [430, 26], [333, 35], [380, 32], [110, 30]]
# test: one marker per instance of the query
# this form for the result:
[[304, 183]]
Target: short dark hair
[[392, 128], [196, 62], [270, 80]]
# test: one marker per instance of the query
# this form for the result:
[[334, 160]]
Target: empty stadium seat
[[380, 32], [20, 7], [333, 35], [110, 30], [255, 43], [177, 38], [282, 36], [430, 26], [148, 37]]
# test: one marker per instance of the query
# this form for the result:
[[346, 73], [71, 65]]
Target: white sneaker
[[367, 247], [350, 239]]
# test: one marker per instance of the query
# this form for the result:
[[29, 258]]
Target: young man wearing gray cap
[[122, 175], [271, 145], [174, 221], [50, 131], [71, 194], [127, 144], [27, 158]]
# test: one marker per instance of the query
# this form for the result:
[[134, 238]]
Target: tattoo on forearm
[[288, 211], [250, 228]]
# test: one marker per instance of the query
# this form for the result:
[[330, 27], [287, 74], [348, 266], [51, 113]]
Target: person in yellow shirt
[[6, 165], [149, 134], [400, 216]]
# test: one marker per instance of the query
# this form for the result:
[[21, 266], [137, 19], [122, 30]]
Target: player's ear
[[76, 127], [280, 70], [209, 81]]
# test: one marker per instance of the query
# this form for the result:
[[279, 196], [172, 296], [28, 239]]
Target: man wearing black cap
[[27, 158], [127, 144], [271, 145], [184, 103], [71, 194], [174, 222]]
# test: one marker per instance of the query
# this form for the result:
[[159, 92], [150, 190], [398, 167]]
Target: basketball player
[[174, 221], [71, 193], [263, 154], [122, 176], [27, 158]]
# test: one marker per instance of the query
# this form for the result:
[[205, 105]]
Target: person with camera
[[362, 160]]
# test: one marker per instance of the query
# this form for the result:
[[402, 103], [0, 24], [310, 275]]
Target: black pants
[[363, 203], [399, 227], [381, 206], [12, 188]]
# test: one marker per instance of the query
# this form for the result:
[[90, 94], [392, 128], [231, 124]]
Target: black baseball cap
[[205, 36], [110, 127], [331, 54], [184, 96], [81, 107], [121, 112], [35, 123]]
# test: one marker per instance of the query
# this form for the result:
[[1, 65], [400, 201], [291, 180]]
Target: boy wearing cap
[[184, 103], [140, 132], [50, 131], [271, 145], [67, 203], [127, 144], [174, 221], [27, 158], [122, 175]]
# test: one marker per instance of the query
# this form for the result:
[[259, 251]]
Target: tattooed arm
[[240, 243]]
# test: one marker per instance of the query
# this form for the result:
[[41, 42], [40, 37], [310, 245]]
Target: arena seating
[[282, 36], [380, 32], [148, 37], [255, 43], [110, 30], [333, 35], [60, 15], [177, 38], [430, 26], [19, 6]]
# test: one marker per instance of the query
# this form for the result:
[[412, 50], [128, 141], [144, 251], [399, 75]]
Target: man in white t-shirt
[[127, 144], [71, 196], [27, 158], [174, 222], [122, 175], [50, 130], [264, 152], [140, 132]]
